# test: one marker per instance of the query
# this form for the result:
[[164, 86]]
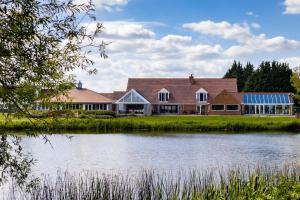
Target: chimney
[[79, 85], [192, 80]]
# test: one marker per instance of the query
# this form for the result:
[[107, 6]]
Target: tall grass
[[261, 183], [156, 123]]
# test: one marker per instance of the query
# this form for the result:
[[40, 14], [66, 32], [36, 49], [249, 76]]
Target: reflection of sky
[[130, 153]]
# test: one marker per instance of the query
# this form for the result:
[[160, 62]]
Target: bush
[[90, 116], [97, 112], [51, 113]]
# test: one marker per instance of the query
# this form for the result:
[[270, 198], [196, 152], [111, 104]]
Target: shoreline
[[173, 124]]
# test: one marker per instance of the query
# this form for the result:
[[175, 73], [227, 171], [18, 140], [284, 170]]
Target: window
[[168, 109], [201, 95], [286, 109], [163, 95], [217, 107], [232, 107], [279, 109]]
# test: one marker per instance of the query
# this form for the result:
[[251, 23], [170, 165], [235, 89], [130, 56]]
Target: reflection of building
[[203, 96]]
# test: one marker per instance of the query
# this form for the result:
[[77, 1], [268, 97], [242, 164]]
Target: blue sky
[[173, 38]]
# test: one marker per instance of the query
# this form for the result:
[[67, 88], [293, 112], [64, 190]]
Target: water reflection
[[131, 152]]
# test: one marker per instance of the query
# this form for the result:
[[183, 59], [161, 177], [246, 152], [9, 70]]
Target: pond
[[119, 153]]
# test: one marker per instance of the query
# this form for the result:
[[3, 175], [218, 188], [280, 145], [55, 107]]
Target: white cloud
[[255, 25], [293, 61], [136, 50], [248, 42], [121, 29], [222, 29], [108, 5], [292, 7]]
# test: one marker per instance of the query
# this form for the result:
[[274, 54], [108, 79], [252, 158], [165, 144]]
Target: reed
[[259, 183]]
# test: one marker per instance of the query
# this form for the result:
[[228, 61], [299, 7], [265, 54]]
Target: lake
[[129, 153]]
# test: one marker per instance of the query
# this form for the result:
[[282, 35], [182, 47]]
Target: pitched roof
[[114, 96], [82, 96], [181, 90], [226, 97]]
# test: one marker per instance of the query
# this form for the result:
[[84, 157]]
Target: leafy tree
[[40, 41], [295, 81]]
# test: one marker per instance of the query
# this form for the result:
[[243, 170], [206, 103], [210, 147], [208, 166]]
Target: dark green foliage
[[237, 184], [240, 73], [97, 112], [268, 77]]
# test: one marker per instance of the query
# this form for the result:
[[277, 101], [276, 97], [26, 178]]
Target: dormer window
[[163, 95], [201, 95]]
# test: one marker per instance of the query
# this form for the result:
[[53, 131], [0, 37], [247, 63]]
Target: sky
[[176, 38]]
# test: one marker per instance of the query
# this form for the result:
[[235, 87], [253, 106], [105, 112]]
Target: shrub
[[97, 112]]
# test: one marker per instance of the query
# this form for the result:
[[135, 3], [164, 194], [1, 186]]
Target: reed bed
[[259, 183], [155, 123]]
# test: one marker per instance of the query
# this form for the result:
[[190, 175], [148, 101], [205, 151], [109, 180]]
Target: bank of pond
[[108, 123], [240, 183]]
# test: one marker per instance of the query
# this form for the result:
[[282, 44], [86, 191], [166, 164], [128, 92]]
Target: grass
[[261, 183], [155, 123]]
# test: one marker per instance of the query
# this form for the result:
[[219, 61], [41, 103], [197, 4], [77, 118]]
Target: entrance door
[[201, 109]]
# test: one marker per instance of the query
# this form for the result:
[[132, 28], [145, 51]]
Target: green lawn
[[156, 123]]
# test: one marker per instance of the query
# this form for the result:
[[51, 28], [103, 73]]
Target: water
[[120, 153]]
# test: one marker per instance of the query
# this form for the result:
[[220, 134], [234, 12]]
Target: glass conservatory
[[267, 104], [133, 102]]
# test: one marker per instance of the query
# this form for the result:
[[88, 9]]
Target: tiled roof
[[82, 96], [114, 96], [181, 90]]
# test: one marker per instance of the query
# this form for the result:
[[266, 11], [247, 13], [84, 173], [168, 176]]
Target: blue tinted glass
[[260, 99], [274, 99], [267, 99], [246, 98]]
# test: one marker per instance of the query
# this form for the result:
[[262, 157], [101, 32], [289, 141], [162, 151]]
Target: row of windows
[[74, 107], [164, 96], [222, 107], [267, 109]]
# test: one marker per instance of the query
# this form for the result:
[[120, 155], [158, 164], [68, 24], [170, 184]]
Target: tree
[[40, 41], [236, 71], [270, 77], [295, 81]]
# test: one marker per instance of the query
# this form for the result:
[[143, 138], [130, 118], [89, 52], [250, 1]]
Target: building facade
[[175, 96], [78, 98], [203, 96]]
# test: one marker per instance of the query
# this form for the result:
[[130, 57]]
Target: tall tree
[[270, 77], [40, 41], [236, 71]]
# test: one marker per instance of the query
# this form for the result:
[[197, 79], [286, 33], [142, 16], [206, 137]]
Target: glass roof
[[265, 98]]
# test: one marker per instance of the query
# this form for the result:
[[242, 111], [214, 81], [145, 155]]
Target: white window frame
[[163, 95], [217, 105], [204, 93], [238, 106]]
